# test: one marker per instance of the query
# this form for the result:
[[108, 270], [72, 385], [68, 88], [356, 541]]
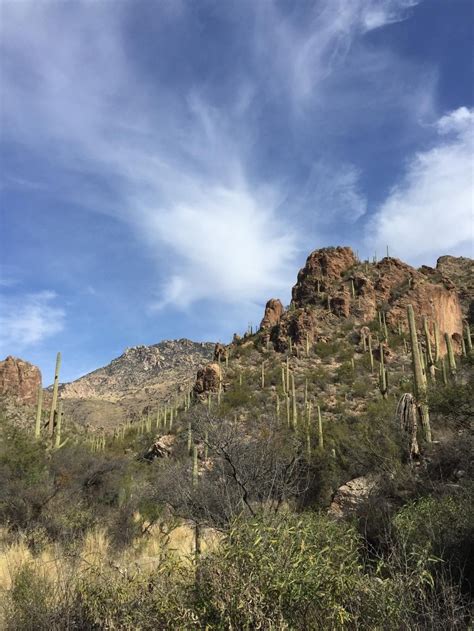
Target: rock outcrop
[[208, 379], [161, 448], [19, 380], [323, 268], [273, 312], [460, 271], [220, 352], [334, 283]]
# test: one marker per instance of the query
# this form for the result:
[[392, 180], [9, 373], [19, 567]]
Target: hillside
[[141, 378], [320, 467]]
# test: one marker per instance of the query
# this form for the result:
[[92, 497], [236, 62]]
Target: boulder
[[161, 448], [352, 498], [19, 380], [208, 379]]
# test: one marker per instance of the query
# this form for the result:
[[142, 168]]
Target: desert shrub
[[102, 597], [129, 600], [327, 350], [442, 526], [344, 373], [292, 571], [452, 405]]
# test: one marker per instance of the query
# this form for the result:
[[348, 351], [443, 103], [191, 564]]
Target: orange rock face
[[273, 312], [334, 283], [19, 379]]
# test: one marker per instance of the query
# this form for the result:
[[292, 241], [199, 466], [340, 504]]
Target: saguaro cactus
[[407, 413], [190, 439], [55, 394], [195, 466], [451, 359], [293, 396], [383, 377], [429, 353], [320, 429], [59, 414], [418, 375], [39, 409], [468, 338], [436, 342], [371, 356]]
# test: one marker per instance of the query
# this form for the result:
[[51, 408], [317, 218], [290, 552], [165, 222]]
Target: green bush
[[442, 526], [291, 571]]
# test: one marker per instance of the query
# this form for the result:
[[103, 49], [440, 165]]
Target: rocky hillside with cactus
[[327, 455]]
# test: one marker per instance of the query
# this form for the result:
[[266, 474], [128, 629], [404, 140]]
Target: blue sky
[[166, 166]]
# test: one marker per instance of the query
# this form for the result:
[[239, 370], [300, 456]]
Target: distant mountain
[[140, 379]]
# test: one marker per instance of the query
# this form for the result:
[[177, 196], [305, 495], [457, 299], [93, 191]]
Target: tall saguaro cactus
[[429, 353], [55, 394], [39, 409], [468, 338], [419, 376], [383, 377], [320, 429], [59, 414], [451, 359]]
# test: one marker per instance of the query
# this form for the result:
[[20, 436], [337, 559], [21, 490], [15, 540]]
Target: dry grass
[[55, 564]]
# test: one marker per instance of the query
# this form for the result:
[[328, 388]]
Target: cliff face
[[334, 284], [19, 380], [459, 270]]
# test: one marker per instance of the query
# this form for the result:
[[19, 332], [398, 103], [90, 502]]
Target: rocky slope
[[334, 287], [141, 378]]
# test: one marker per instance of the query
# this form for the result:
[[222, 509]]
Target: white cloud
[[378, 13], [27, 320], [229, 244], [431, 211]]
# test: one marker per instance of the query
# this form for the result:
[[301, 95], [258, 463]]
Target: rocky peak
[[322, 269], [19, 380], [142, 368], [333, 284], [273, 312]]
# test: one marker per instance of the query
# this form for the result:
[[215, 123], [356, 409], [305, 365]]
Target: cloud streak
[[28, 320]]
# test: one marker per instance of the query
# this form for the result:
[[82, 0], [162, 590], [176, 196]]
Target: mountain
[[140, 379]]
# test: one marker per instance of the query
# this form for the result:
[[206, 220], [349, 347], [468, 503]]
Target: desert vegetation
[[227, 527]]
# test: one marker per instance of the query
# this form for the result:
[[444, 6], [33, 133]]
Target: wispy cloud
[[431, 210], [335, 191], [28, 320], [182, 160], [304, 49]]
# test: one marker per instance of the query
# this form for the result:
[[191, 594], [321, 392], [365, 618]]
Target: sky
[[166, 166]]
